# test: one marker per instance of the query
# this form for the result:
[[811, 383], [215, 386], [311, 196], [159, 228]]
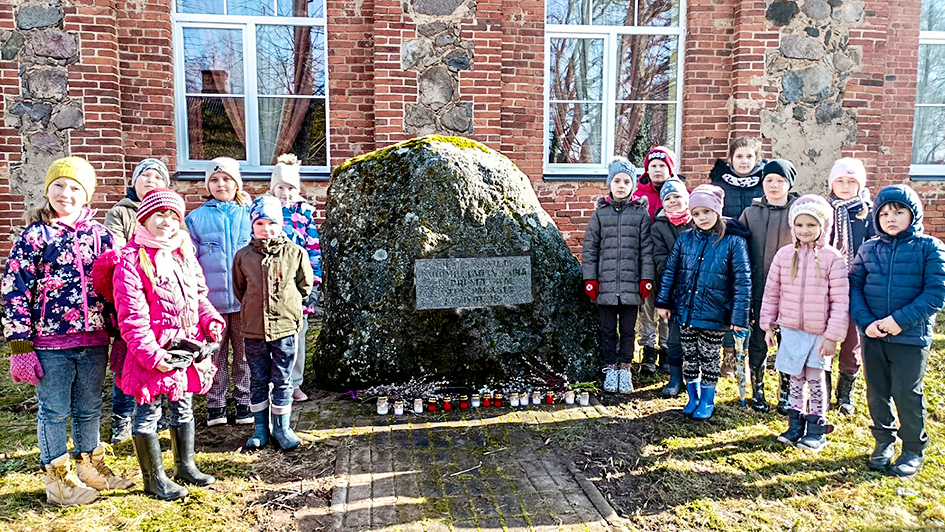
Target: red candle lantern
[[463, 402], [431, 405], [447, 403], [497, 400]]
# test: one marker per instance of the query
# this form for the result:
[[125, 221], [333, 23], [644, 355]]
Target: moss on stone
[[380, 154]]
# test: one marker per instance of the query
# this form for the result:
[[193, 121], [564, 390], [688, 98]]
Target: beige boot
[[93, 471], [728, 362], [63, 487]]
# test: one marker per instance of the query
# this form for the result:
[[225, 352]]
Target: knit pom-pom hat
[[286, 171], [621, 165]]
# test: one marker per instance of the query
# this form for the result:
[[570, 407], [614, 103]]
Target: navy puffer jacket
[[707, 282], [902, 275], [739, 193]]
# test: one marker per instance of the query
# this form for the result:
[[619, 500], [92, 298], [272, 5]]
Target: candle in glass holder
[[513, 400], [382, 406], [418, 406], [463, 402], [431, 405], [585, 398], [475, 402], [447, 403], [569, 397], [536, 397], [487, 400], [549, 398], [398, 407], [497, 400]]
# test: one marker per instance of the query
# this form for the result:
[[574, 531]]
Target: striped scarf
[[842, 237]]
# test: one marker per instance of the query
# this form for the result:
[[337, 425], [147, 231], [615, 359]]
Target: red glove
[[646, 286], [591, 288], [24, 364]]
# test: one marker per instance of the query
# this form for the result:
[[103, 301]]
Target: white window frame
[[610, 35], [927, 171], [247, 24]]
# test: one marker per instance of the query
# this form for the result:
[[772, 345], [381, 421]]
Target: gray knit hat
[[621, 164]]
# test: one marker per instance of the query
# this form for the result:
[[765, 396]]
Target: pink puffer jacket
[[150, 315], [817, 300]]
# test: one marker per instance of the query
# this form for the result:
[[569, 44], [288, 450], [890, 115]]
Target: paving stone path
[[486, 470]]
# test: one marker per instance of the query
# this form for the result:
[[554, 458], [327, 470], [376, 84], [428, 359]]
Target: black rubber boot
[[817, 430], [795, 430], [784, 395], [758, 402], [156, 483], [185, 470], [648, 366], [844, 394]]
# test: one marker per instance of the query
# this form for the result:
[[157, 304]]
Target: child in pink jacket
[[161, 298], [807, 298]]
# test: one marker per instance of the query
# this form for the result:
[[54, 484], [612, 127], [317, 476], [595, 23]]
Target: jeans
[[123, 405], [894, 372], [298, 365], [610, 317], [147, 416], [270, 363], [71, 386]]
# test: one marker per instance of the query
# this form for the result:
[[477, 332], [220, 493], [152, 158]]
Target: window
[[613, 87], [928, 133], [250, 82]]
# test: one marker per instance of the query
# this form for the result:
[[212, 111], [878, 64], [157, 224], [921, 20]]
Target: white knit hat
[[226, 165], [286, 171]]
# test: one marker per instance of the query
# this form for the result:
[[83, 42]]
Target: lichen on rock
[[442, 197]]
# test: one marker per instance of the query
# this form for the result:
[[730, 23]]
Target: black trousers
[[894, 373], [612, 316]]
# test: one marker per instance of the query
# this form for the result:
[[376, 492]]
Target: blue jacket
[[902, 276], [219, 230], [707, 282]]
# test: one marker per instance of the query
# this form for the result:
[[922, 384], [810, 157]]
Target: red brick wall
[[11, 145]]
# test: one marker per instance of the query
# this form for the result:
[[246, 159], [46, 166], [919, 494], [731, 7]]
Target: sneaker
[[216, 416], [611, 379], [121, 430], [299, 396], [624, 380], [243, 415]]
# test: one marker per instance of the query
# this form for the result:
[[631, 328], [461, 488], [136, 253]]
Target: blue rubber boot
[[693, 388], [260, 436], [706, 402], [283, 434], [674, 386]]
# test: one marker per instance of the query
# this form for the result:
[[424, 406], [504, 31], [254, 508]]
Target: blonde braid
[[146, 265], [794, 260]]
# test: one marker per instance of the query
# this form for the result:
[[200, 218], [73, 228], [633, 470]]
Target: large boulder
[[443, 197]]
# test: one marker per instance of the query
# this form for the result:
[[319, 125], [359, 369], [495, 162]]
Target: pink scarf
[[678, 218]]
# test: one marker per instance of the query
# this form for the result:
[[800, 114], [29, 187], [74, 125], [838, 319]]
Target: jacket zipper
[[619, 224], [803, 291], [695, 283], [892, 262], [78, 263]]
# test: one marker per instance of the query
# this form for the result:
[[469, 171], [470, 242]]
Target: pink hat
[[848, 167], [160, 199], [708, 196]]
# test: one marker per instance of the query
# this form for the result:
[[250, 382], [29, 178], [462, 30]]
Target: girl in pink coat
[[807, 298], [164, 315]]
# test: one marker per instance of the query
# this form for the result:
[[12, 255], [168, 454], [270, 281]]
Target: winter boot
[[663, 358], [121, 429], [844, 394], [784, 394], [182, 445], [728, 362], [706, 402], [693, 388], [795, 431], [817, 430], [882, 456], [674, 386], [63, 487], [611, 378], [758, 402], [907, 465], [650, 355], [624, 380], [260, 437], [281, 431], [95, 474], [156, 483]]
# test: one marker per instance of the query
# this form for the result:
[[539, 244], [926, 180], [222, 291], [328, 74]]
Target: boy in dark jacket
[[768, 221], [271, 278], [897, 285]]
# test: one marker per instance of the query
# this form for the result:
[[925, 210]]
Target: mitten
[[646, 286], [592, 289], [24, 364]]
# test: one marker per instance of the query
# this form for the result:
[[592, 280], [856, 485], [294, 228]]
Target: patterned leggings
[[701, 357], [816, 382], [232, 335]]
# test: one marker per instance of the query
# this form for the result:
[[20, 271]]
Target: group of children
[[745, 256], [71, 284]]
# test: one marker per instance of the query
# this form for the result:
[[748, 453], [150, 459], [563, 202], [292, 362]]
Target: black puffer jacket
[[737, 197], [707, 281], [664, 236], [770, 228], [618, 250]]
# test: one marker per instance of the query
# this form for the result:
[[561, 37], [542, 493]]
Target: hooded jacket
[[817, 299], [707, 281], [618, 250], [271, 278], [770, 228], [121, 222], [220, 229], [737, 197], [902, 276]]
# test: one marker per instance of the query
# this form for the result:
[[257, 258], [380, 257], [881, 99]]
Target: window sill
[[575, 177], [249, 175]]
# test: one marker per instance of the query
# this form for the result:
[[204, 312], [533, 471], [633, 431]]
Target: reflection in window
[[928, 144]]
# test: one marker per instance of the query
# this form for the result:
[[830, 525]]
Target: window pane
[[658, 13], [928, 136], [642, 126], [612, 12], [301, 8], [647, 67], [933, 15], [203, 7], [292, 125], [259, 8], [216, 127], [213, 61], [566, 11], [574, 133], [930, 83], [577, 69], [290, 60]]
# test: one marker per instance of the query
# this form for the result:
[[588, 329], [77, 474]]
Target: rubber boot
[[92, 470], [817, 430], [758, 402], [260, 437], [674, 386], [156, 483], [728, 362], [844, 394], [693, 388], [650, 355], [706, 402], [281, 431], [63, 487], [784, 394], [795, 431], [182, 445]]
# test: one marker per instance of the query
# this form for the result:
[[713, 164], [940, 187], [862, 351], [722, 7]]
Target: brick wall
[[11, 145]]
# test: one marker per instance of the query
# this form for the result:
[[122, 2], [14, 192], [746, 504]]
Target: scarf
[[164, 262], [842, 237], [678, 218], [747, 181]]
